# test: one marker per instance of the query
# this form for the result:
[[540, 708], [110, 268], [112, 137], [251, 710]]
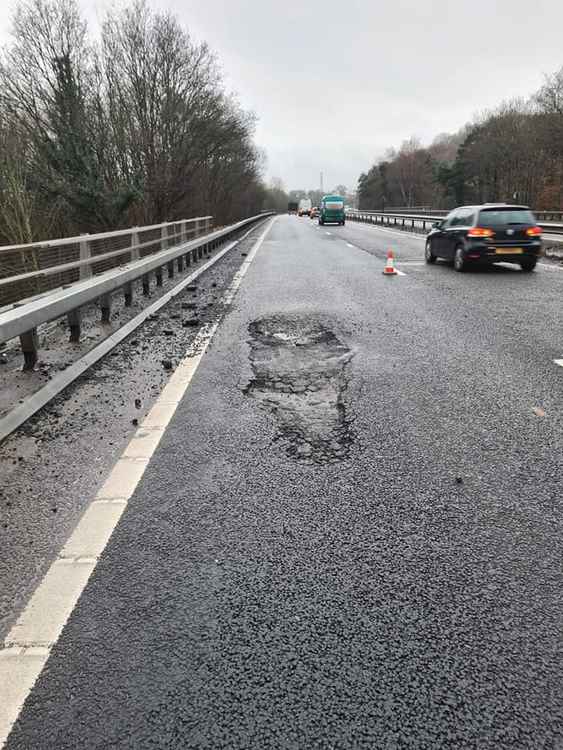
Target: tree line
[[129, 128], [513, 153]]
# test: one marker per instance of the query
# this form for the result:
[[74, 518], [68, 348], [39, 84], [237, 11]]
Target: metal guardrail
[[549, 216], [408, 210], [39, 267], [417, 221], [397, 220], [23, 318]]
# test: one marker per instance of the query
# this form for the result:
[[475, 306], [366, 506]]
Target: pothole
[[299, 368]]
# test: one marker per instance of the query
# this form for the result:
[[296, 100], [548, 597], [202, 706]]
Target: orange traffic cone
[[390, 269]]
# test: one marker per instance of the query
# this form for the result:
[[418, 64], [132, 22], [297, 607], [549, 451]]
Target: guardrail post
[[74, 319], [158, 274], [146, 285], [164, 237], [135, 244], [29, 342], [171, 269], [105, 304], [85, 271], [196, 228], [128, 291], [184, 232]]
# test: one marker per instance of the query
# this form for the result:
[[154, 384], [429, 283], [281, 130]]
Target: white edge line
[[397, 272], [551, 266], [417, 236], [398, 232], [559, 362], [27, 646]]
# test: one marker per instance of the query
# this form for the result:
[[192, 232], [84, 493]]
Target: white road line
[[551, 267], [559, 362], [392, 231], [399, 273], [328, 233], [28, 644], [411, 262]]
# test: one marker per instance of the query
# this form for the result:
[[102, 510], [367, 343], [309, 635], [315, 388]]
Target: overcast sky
[[334, 83]]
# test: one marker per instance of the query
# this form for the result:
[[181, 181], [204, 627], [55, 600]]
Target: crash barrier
[[23, 318], [421, 221], [38, 267]]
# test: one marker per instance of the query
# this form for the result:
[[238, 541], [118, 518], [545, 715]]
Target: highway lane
[[350, 533], [377, 240]]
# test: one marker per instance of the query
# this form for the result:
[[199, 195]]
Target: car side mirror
[[437, 224]]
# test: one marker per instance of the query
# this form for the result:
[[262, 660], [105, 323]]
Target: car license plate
[[509, 251]]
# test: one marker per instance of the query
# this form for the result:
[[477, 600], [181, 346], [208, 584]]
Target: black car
[[491, 233]]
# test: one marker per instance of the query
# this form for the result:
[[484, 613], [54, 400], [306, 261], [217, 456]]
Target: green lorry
[[331, 210]]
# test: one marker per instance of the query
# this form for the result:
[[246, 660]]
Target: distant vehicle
[[292, 207], [490, 233], [332, 210], [314, 212], [305, 207]]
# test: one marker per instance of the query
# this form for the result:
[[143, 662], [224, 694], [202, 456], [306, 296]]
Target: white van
[[305, 206]]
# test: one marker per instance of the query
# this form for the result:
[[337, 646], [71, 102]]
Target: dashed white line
[[329, 233], [559, 362], [28, 644], [399, 273]]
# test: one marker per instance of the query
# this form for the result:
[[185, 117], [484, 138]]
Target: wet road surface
[[350, 533]]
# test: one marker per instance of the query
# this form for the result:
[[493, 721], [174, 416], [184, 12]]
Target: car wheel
[[321, 222], [528, 264], [460, 263], [428, 254]]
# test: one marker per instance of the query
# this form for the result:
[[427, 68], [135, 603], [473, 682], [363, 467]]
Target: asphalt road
[[350, 534]]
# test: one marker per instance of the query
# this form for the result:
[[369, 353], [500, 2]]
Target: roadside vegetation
[[130, 127], [513, 153]]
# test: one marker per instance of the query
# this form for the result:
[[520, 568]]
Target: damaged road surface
[[349, 534], [300, 376]]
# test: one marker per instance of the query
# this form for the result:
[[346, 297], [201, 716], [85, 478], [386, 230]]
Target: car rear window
[[334, 205], [499, 217]]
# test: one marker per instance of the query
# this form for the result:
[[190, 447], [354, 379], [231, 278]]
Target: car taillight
[[480, 232], [533, 231]]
